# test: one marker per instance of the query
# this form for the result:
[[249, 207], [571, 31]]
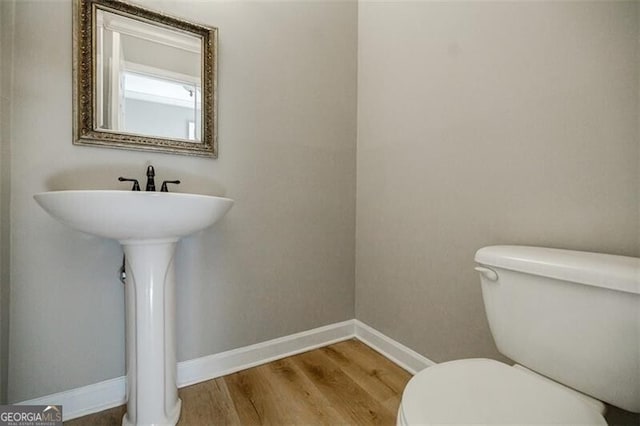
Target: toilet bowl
[[484, 391], [572, 318]]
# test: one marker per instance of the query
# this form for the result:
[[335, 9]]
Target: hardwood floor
[[345, 383]]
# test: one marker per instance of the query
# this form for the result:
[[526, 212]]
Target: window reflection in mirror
[[148, 79]]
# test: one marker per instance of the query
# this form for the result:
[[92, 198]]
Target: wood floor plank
[[375, 378], [388, 374], [208, 403], [253, 396], [343, 384], [304, 402], [346, 396], [393, 403]]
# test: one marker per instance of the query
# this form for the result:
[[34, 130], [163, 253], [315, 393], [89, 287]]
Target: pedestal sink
[[148, 225]]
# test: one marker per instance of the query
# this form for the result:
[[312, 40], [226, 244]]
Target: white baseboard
[[85, 400], [209, 367], [406, 358], [100, 396]]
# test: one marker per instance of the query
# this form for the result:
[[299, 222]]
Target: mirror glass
[[143, 80], [148, 79]]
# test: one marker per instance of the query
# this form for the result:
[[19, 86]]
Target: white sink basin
[[148, 225], [134, 215]]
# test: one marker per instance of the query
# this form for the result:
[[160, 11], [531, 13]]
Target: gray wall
[[6, 33], [281, 261], [487, 123]]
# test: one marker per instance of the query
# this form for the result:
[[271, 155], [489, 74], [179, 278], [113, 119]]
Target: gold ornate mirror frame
[[86, 131]]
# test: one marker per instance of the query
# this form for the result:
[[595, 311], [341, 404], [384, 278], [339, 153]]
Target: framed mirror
[[143, 80]]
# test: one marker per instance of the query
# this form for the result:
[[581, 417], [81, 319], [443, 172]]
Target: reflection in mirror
[[143, 80], [148, 79]]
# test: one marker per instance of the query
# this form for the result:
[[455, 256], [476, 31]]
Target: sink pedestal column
[[152, 394]]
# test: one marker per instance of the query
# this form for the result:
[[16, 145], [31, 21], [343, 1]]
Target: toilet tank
[[571, 316]]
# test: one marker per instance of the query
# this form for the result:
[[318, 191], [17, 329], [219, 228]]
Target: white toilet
[[571, 319]]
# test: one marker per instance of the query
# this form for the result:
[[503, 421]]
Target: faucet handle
[[136, 185], [164, 188]]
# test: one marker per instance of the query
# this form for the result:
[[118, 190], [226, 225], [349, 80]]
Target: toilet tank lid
[[620, 273]]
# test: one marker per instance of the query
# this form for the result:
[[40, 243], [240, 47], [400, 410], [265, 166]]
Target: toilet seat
[[484, 391]]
